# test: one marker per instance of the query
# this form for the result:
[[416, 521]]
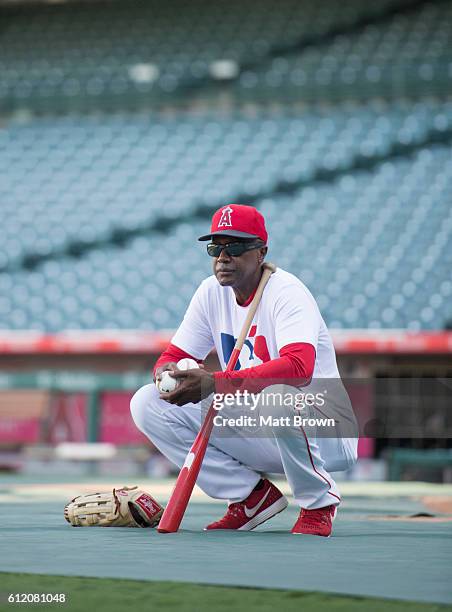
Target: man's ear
[[262, 253]]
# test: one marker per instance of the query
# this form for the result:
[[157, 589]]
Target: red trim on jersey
[[294, 365], [172, 353]]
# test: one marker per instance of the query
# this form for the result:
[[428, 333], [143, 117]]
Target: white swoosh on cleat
[[250, 512]]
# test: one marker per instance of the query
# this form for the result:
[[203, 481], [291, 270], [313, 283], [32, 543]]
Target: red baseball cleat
[[260, 505], [315, 522]]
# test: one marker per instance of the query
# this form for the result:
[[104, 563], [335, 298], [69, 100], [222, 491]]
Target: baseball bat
[[178, 502]]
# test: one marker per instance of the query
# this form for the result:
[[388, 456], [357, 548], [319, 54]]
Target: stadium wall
[[77, 387]]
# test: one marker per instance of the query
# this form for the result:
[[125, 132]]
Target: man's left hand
[[194, 385]]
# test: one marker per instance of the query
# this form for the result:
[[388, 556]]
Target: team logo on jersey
[[255, 345], [225, 219]]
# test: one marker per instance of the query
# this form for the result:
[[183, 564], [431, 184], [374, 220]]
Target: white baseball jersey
[[233, 463], [287, 314]]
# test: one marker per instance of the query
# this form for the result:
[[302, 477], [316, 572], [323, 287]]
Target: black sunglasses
[[233, 249]]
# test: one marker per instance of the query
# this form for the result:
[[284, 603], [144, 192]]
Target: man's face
[[235, 272]]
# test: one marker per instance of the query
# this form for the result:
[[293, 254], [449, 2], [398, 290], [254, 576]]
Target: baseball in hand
[[187, 364], [167, 383]]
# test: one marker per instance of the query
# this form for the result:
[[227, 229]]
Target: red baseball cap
[[239, 221]]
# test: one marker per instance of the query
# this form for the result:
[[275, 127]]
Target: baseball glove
[[126, 507]]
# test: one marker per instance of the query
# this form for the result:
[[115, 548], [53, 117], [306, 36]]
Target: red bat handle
[[178, 502]]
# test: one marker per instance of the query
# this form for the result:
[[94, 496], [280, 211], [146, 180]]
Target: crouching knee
[[141, 404]]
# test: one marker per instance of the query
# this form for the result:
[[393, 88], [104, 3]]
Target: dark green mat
[[401, 560]]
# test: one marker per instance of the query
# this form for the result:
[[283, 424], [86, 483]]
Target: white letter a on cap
[[225, 219]]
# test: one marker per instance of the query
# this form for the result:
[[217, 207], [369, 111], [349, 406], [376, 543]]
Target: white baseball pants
[[233, 463]]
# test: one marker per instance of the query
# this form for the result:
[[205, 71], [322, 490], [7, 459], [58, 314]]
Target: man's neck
[[242, 294]]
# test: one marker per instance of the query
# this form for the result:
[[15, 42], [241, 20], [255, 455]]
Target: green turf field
[[117, 595], [379, 557]]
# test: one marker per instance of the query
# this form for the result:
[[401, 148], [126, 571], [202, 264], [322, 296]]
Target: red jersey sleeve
[[172, 353], [294, 365]]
